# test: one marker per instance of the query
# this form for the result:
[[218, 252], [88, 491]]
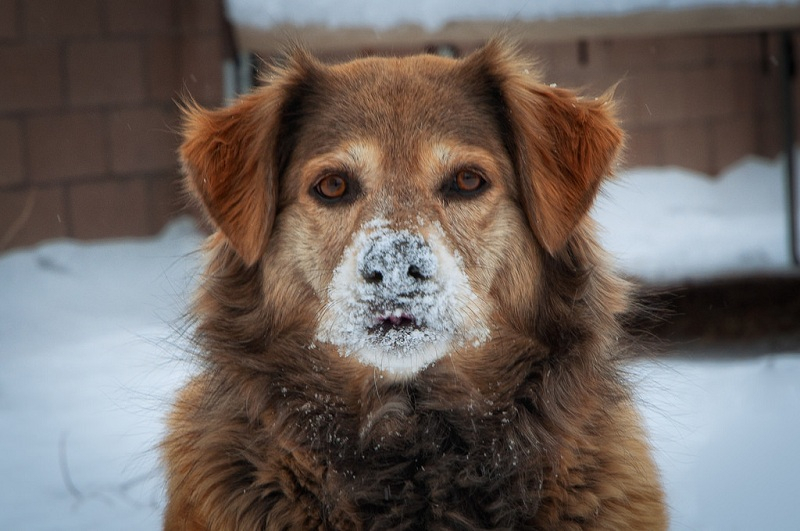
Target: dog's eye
[[466, 183], [331, 187]]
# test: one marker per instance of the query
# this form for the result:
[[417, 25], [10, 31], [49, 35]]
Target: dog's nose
[[397, 259]]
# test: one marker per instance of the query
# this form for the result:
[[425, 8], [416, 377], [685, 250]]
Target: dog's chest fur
[[422, 466], [429, 472], [440, 452]]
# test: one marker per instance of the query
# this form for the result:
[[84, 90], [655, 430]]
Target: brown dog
[[405, 322]]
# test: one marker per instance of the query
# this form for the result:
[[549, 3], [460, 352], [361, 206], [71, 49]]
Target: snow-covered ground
[[91, 354], [89, 358], [668, 225]]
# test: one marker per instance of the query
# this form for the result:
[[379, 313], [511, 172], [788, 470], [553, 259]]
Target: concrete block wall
[[88, 119], [701, 102], [87, 112]]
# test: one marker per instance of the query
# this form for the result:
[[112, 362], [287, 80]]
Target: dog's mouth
[[396, 319]]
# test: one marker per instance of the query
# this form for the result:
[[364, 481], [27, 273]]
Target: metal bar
[[787, 76], [246, 71]]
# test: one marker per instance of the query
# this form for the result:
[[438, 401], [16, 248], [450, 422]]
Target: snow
[[725, 435], [92, 351], [668, 225], [89, 359], [433, 15]]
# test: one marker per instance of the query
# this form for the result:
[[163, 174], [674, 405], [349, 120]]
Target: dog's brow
[[359, 156], [449, 154], [363, 153], [442, 153]]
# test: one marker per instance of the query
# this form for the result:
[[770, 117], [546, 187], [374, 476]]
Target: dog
[[405, 321]]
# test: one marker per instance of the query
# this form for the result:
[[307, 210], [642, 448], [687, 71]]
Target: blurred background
[[88, 119], [96, 240]]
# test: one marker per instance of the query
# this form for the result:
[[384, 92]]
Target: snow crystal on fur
[[362, 316]]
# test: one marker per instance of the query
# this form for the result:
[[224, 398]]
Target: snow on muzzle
[[399, 301]]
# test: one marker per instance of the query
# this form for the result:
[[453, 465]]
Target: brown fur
[[532, 429]]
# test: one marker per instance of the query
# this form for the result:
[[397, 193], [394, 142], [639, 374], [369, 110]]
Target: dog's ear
[[231, 158], [563, 145], [566, 146]]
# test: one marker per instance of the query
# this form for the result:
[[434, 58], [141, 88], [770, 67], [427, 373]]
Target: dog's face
[[415, 198], [402, 208]]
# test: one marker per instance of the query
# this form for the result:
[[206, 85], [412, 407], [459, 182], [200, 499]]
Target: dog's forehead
[[401, 101]]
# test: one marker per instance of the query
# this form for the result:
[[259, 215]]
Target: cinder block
[[200, 16], [66, 147], [109, 209], [770, 135], [11, 166], [626, 54], [731, 139], [8, 20], [142, 16], [143, 140], [57, 18], [105, 72], [694, 51], [553, 57], [736, 48], [168, 200], [688, 146], [659, 97], [201, 59], [162, 63], [720, 91], [745, 80], [644, 147], [31, 215], [31, 77], [601, 57], [679, 95]]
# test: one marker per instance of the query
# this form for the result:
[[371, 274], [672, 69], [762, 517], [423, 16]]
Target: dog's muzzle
[[397, 301]]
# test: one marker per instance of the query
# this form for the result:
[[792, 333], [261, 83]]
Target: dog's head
[[416, 199]]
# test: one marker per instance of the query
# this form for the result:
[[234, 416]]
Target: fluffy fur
[[531, 427]]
